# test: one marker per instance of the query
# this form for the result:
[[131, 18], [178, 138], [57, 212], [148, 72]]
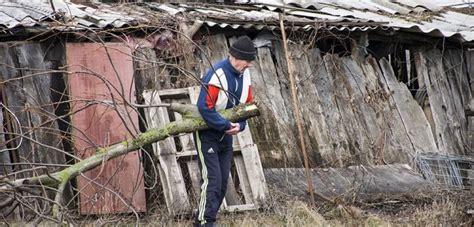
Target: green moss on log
[[151, 136]]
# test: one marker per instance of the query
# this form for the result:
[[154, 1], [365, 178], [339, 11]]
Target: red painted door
[[100, 73]]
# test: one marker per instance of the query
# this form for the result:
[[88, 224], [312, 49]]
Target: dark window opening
[[401, 58], [341, 47]]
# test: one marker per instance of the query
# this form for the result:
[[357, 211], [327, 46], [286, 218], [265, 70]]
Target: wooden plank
[[459, 94], [307, 64], [312, 105], [289, 136], [192, 165], [4, 153], [231, 195], [26, 92], [272, 130], [171, 177], [432, 69], [223, 205], [374, 101], [458, 77], [14, 98], [39, 104], [470, 67], [5, 168], [194, 174], [186, 153], [360, 81], [412, 115], [354, 182], [336, 132], [439, 79], [155, 118], [102, 125], [421, 94], [342, 92], [255, 173], [177, 93], [244, 207], [471, 136], [244, 138], [244, 179], [186, 140], [433, 97], [394, 144]]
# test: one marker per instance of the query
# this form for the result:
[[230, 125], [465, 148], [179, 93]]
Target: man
[[225, 85]]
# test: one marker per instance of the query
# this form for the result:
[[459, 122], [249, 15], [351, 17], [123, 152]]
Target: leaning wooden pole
[[296, 112]]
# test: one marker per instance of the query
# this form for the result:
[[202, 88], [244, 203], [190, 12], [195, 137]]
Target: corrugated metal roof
[[422, 16], [30, 13]]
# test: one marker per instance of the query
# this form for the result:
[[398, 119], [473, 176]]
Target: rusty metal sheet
[[98, 74]]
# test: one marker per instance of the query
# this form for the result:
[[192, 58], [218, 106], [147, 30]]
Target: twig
[[19, 128]]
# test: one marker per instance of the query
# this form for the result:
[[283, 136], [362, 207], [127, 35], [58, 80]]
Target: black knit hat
[[243, 49]]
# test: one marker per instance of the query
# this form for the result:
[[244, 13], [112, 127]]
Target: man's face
[[240, 65]]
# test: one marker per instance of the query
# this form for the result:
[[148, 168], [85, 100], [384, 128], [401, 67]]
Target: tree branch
[[191, 122]]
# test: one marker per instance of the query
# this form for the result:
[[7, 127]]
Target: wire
[[445, 167]]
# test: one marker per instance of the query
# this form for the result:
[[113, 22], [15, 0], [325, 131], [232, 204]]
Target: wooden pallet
[[179, 171]]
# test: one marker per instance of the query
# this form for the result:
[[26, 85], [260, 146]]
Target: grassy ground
[[439, 209]]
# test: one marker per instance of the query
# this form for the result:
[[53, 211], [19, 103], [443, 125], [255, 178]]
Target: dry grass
[[446, 209], [443, 208], [440, 209]]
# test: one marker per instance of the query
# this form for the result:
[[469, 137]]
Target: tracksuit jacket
[[223, 88]]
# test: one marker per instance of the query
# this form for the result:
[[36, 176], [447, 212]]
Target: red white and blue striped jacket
[[223, 87]]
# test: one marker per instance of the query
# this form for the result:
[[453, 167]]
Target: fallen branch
[[190, 123]]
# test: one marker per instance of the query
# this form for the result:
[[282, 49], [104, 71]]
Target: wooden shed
[[375, 85]]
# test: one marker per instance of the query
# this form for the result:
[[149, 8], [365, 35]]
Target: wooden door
[[100, 85]]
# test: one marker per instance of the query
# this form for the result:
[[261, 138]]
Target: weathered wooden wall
[[354, 108], [25, 85], [445, 77], [354, 112], [31, 142], [470, 70]]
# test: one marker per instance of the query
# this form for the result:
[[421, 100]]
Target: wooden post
[[296, 112]]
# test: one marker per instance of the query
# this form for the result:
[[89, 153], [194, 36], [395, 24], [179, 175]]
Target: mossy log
[[189, 123]]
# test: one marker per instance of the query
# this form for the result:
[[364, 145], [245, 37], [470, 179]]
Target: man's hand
[[234, 129]]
